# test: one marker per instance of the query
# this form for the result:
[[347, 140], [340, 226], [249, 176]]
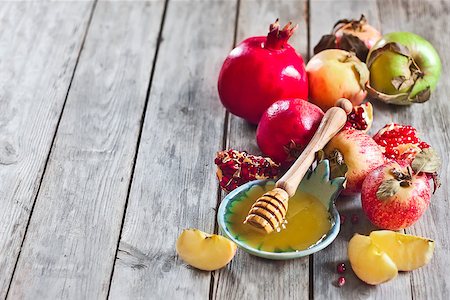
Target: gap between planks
[[138, 142], [226, 122], [91, 14]]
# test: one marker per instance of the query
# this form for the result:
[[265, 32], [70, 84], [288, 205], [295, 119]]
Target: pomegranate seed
[[358, 118], [342, 219], [237, 168], [340, 268], [341, 281], [392, 136], [354, 219]]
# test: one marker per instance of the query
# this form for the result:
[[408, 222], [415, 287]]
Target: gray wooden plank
[[249, 277], [71, 242], [430, 20], [39, 46], [174, 185], [323, 16]]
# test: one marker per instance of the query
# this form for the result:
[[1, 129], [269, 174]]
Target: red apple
[[394, 197], [335, 74], [358, 152]]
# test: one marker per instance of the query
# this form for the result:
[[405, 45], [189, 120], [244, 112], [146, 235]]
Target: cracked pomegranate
[[361, 117], [286, 128], [399, 142], [235, 168]]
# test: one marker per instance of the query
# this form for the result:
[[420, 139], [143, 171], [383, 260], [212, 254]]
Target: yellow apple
[[205, 251], [369, 262], [408, 252]]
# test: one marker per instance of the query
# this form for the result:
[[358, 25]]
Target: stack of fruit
[[265, 81]]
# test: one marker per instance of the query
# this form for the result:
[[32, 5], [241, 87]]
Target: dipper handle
[[332, 122], [268, 213]]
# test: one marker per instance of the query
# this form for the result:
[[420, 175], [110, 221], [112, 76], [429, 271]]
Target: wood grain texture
[[250, 277], [174, 184], [430, 20], [70, 245], [36, 68], [323, 16]]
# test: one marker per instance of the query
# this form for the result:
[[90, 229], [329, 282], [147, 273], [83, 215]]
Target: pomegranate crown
[[276, 38]]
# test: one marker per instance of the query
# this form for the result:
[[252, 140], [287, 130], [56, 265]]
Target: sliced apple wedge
[[370, 263], [408, 252], [205, 251]]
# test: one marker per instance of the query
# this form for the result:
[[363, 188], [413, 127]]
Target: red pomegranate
[[286, 128], [394, 197], [399, 142], [361, 117], [354, 154], [260, 71], [357, 36], [234, 168]]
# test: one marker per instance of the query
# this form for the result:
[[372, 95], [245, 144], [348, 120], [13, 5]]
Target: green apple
[[404, 68]]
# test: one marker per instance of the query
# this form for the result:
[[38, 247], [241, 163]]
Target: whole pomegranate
[[335, 74], [260, 71], [354, 154], [399, 142], [286, 128], [357, 36], [361, 29], [394, 197]]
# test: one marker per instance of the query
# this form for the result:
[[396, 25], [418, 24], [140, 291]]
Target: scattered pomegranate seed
[[355, 219], [340, 268], [399, 142], [342, 219], [341, 281], [356, 119]]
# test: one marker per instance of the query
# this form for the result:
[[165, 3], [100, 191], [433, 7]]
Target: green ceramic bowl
[[315, 183]]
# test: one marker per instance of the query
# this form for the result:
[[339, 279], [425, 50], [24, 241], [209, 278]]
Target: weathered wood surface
[[70, 245], [113, 201], [323, 16], [174, 185], [431, 119], [250, 277], [33, 37]]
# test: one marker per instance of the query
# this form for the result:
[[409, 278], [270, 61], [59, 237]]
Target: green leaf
[[427, 161], [387, 189]]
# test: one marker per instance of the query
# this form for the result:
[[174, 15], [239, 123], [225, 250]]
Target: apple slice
[[205, 251], [370, 263], [408, 252]]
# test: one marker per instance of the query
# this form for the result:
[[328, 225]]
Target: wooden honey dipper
[[269, 211]]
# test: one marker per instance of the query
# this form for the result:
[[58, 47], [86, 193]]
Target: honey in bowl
[[307, 222]]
